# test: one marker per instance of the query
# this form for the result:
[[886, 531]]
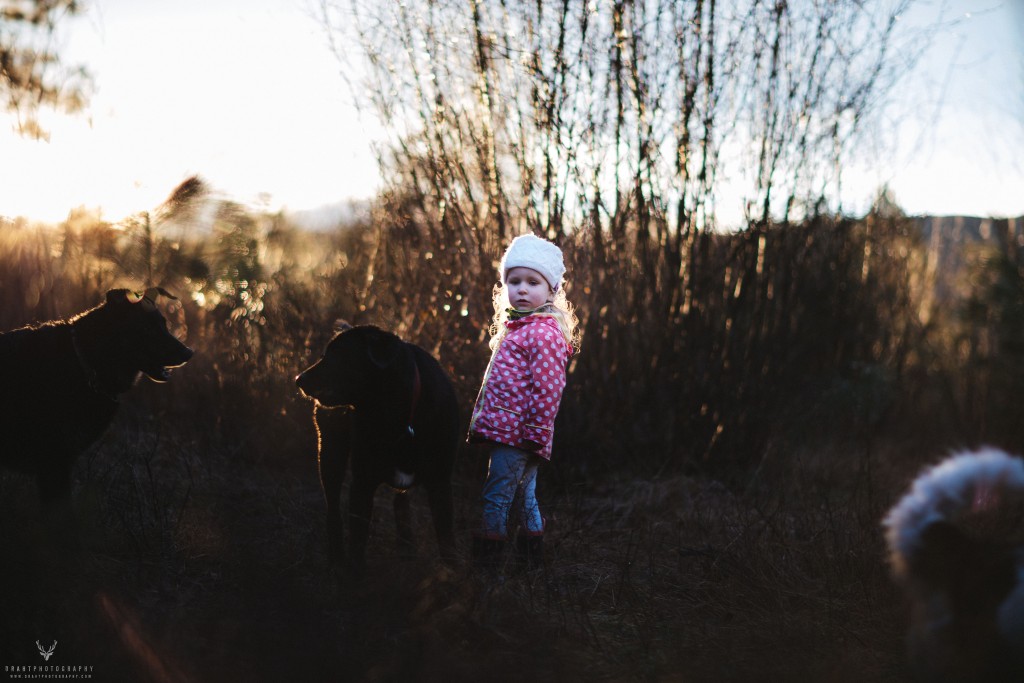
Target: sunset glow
[[246, 94]]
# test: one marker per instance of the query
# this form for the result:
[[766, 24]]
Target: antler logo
[[46, 653]]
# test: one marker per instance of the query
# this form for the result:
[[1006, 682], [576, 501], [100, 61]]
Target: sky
[[960, 115], [247, 94]]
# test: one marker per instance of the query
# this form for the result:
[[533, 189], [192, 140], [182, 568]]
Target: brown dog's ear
[[116, 296], [382, 348]]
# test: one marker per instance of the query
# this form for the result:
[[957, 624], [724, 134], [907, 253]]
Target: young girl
[[533, 334]]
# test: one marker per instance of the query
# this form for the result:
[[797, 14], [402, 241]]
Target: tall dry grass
[[715, 494]]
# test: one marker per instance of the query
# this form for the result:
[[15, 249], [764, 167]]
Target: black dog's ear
[[342, 325], [947, 556], [382, 348], [942, 553]]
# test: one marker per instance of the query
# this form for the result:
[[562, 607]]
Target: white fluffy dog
[[957, 544]]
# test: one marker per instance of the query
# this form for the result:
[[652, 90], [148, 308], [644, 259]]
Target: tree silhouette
[[32, 74], [612, 128]]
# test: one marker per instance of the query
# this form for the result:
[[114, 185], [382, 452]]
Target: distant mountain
[[329, 216], [952, 241], [968, 229], [953, 237]]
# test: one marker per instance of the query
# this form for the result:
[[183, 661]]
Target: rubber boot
[[530, 551]]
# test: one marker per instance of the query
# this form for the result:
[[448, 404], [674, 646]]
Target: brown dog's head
[[355, 362]]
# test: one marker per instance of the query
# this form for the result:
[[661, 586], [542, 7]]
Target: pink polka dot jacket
[[522, 387]]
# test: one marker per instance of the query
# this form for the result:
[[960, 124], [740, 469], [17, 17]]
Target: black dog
[[958, 550], [401, 429], [60, 382]]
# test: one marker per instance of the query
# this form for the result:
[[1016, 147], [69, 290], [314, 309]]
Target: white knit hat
[[530, 251]]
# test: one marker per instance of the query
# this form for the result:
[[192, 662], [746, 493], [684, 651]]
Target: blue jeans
[[511, 477]]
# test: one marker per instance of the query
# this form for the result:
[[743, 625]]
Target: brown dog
[[401, 429]]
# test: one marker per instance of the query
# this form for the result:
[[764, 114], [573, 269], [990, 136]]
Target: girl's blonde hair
[[560, 309]]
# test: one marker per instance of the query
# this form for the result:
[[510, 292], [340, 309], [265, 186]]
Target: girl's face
[[527, 289]]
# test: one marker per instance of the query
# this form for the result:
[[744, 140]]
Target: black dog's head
[[356, 359], [137, 334]]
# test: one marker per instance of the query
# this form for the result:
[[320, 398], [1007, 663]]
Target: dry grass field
[[208, 565], [715, 498]]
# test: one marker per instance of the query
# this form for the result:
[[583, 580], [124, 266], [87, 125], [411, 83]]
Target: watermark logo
[[46, 652], [44, 671]]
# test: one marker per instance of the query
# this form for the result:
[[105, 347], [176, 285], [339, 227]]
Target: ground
[[200, 566]]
